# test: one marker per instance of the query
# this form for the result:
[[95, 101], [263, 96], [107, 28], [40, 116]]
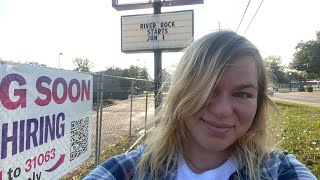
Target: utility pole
[[290, 81], [59, 59]]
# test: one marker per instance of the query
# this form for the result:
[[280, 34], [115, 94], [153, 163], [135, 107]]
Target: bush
[[309, 89], [109, 102]]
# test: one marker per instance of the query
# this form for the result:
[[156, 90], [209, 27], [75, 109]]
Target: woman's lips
[[219, 129]]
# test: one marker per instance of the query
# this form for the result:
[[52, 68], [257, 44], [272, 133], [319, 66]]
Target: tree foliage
[[82, 65], [293, 76], [134, 72], [138, 73], [307, 58], [113, 71], [273, 65]]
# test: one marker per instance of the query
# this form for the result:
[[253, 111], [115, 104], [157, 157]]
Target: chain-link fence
[[122, 108], [298, 86]]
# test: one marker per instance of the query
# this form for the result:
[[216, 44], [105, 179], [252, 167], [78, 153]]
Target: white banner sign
[[167, 31], [45, 121]]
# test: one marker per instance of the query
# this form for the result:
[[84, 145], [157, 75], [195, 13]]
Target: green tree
[[113, 71], [143, 73], [82, 65], [307, 58], [273, 64], [125, 73], [293, 76], [135, 72]]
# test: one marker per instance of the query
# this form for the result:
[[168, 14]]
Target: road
[[299, 97]]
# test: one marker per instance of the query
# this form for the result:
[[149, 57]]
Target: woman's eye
[[242, 95]]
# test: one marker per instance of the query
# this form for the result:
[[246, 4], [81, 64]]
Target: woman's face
[[228, 113]]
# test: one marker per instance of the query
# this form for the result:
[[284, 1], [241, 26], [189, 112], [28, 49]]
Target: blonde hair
[[194, 79]]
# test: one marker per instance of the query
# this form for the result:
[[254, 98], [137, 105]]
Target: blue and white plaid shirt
[[279, 166]]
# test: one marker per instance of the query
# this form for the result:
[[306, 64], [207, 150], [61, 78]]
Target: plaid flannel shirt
[[280, 166]]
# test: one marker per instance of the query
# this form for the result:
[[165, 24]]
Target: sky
[[39, 30]]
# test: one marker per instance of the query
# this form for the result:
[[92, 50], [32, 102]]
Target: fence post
[[97, 122], [130, 112], [146, 113], [101, 108]]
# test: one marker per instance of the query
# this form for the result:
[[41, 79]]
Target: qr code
[[79, 137]]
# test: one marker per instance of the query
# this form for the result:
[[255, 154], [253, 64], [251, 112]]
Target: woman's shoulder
[[282, 165], [118, 167], [127, 160]]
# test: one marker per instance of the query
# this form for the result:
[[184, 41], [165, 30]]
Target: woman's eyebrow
[[245, 86]]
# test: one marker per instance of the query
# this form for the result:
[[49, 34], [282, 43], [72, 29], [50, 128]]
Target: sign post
[[157, 32], [157, 64]]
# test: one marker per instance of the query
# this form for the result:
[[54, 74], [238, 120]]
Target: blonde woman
[[213, 122]]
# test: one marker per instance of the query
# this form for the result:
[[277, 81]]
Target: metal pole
[[97, 122], [290, 80], [130, 112], [59, 59], [100, 123], [157, 77], [146, 113], [157, 63], [157, 7]]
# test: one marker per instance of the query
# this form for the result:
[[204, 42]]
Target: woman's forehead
[[241, 71], [243, 59]]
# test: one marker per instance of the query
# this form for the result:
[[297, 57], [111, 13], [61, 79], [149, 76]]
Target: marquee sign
[[170, 31]]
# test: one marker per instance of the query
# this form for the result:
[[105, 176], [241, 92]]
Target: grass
[[81, 171], [106, 103], [283, 90], [299, 131], [109, 102]]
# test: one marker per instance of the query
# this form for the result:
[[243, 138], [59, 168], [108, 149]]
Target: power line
[[245, 11], [253, 17]]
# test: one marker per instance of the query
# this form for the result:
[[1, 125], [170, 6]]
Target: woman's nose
[[221, 105]]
